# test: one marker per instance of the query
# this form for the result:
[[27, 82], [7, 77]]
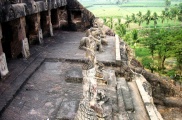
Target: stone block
[[3, 65], [126, 94], [110, 77], [51, 29], [19, 10], [59, 3], [41, 41], [25, 48], [74, 75]]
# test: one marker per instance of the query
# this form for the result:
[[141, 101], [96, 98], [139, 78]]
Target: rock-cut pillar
[[3, 64], [19, 42], [46, 22], [34, 28]]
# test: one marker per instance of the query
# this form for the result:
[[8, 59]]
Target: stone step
[[122, 87]]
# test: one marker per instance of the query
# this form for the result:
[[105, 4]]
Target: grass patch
[[142, 52], [105, 10]]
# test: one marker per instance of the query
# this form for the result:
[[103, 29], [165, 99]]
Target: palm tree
[[155, 18], [109, 22], [168, 15], [118, 22], [128, 21], [140, 18], [133, 18], [147, 17], [163, 16], [121, 30]]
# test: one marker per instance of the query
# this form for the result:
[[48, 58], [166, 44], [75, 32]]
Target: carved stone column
[[19, 41], [3, 64], [50, 24], [34, 28]]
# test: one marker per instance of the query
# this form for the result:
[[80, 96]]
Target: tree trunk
[[162, 63], [159, 62]]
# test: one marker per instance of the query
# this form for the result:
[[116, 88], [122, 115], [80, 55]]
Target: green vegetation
[[154, 31]]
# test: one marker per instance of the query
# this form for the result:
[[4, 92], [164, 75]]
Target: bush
[[142, 52], [180, 18], [148, 63]]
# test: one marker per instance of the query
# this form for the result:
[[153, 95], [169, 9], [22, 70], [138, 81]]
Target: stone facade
[[25, 22], [78, 16]]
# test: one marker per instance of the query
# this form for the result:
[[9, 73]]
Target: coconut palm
[[168, 15], [140, 18], [109, 22], [155, 18], [128, 21], [133, 18], [163, 16], [121, 29], [147, 17], [117, 22]]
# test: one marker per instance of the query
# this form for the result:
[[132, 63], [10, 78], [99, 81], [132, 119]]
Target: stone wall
[[78, 16]]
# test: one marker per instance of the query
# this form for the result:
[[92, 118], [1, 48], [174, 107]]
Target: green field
[[121, 12], [135, 3], [114, 10]]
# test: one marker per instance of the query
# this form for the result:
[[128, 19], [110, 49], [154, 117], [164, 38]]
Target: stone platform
[[37, 88], [32, 89]]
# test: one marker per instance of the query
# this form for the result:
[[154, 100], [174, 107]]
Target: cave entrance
[[33, 27], [54, 18], [76, 16]]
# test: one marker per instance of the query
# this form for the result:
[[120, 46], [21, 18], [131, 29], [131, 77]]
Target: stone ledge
[[147, 99], [117, 47]]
